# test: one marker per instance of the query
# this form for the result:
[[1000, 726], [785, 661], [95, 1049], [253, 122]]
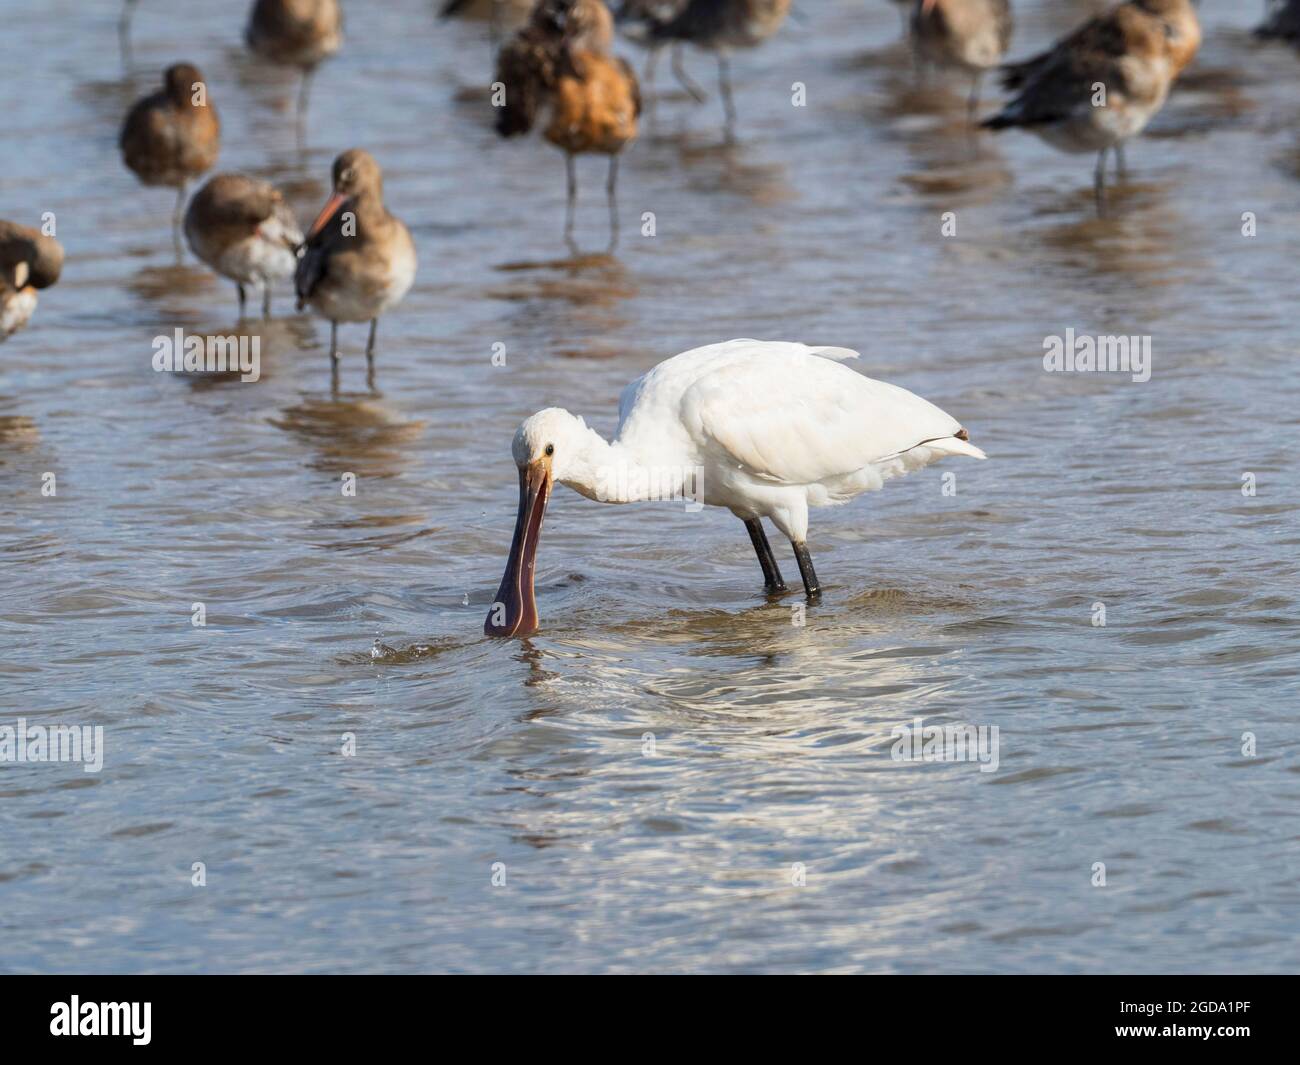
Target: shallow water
[[1120, 744]]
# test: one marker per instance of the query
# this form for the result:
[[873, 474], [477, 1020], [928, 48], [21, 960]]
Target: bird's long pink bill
[[514, 611], [331, 208]]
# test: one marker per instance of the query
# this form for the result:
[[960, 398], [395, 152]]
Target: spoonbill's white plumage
[[766, 429]]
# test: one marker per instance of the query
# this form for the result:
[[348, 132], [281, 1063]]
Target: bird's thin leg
[[266, 298], [1099, 183], [973, 103], [611, 191], [1121, 166], [771, 574], [806, 571], [651, 60], [570, 169], [370, 354], [178, 220], [334, 358], [728, 104], [124, 33], [494, 24], [683, 79], [303, 90], [243, 298]]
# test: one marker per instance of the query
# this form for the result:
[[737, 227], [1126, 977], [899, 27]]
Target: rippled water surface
[[1120, 744]]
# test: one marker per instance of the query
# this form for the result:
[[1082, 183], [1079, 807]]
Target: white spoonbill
[[764, 428]]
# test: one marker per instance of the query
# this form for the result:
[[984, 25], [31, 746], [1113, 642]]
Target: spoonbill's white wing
[[784, 414], [659, 391]]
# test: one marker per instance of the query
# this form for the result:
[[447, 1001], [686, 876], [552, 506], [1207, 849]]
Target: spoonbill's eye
[[550, 449]]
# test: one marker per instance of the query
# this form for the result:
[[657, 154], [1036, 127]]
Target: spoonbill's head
[[549, 447]]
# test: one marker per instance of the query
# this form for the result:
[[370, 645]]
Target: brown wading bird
[[359, 260], [242, 228], [29, 260], [561, 61], [970, 36], [173, 136], [719, 26], [1134, 52], [635, 17], [296, 33], [1282, 23]]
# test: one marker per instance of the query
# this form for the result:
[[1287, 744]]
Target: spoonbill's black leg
[[771, 575], [648, 80], [806, 570]]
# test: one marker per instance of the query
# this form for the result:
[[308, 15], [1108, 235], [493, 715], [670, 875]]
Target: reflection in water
[[955, 164], [278, 341], [174, 287], [572, 303], [533, 656], [110, 99], [1220, 97], [18, 433], [713, 167], [352, 434], [25, 462], [1142, 238]]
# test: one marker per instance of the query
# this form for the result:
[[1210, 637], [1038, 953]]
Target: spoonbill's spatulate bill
[[766, 429]]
